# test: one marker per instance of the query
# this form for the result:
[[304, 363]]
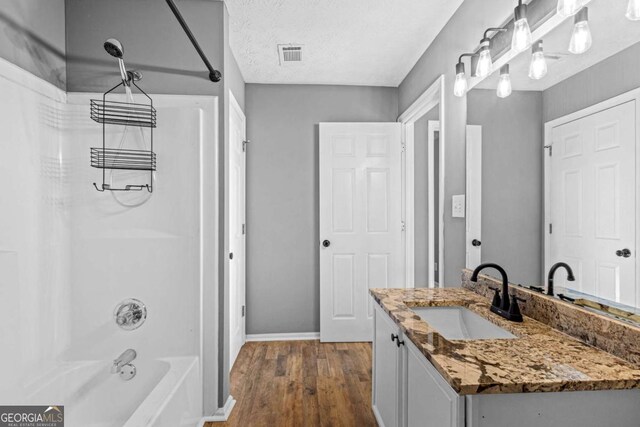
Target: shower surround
[[70, 254]]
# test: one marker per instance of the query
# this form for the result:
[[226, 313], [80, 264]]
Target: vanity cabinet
[[409, 392], [431, 402], [388, 364]]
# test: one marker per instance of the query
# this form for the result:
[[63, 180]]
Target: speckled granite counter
[[541, 359]]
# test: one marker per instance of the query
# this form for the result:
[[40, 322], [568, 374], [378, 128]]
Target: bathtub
[[164, 393]]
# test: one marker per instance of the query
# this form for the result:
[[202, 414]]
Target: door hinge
[[550, 228], [550, 147], [243, 228], [243, 311], [244, 145], [403, 225], [404, 147]]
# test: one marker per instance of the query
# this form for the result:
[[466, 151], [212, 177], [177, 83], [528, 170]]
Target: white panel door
[[237, 228], [361, 245], [593, 204], [474, 197]]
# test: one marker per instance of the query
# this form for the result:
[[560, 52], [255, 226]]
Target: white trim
[[433, 126], [296, 336], [26, 79], [473, 163], [408, 204], [633, 95], [221, 415], [430, 98]]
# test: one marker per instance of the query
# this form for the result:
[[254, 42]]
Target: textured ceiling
[[612, 32], [359, 42]]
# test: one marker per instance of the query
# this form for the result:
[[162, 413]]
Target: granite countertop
[[540, 359]]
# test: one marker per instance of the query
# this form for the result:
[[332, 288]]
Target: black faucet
[[501, 305], [552, 272]]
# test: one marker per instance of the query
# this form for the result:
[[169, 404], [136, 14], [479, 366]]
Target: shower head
[[114, 48]]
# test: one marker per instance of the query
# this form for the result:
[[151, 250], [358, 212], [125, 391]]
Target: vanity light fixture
[[461, 84], [504, 84], [581, 37], [568, 8], [485, 63], [633, 10], [538, 67], [521, 40]]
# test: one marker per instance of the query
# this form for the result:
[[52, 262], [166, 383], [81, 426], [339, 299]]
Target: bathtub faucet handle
[[130, 314]]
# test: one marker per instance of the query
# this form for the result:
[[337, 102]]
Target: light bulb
[[504, 84], [538, 67], [521, 36], [633, 10], [521, 40], [460, 86], [581, 37], [569, 7], [485, 63]]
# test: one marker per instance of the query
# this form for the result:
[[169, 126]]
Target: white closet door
[[237, 228], [593, 203], [361, 228]]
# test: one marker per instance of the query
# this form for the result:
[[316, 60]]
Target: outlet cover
[[457, 206]]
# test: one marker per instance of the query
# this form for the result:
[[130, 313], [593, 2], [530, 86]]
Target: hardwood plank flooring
[[301, 384]]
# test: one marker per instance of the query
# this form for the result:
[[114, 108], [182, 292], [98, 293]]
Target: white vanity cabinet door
[[431, 402], [387, 371]]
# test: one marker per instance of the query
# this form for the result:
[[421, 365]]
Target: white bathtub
[[164, 393]]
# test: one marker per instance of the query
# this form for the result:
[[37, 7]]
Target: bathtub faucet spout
[[124, 359]]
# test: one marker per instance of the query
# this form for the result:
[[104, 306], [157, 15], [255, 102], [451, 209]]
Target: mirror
[[560, 164]]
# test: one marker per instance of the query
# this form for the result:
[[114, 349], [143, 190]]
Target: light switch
[[457, 206]]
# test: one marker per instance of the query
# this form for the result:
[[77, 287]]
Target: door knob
[[476, 242], [326, 243], [625, 253]]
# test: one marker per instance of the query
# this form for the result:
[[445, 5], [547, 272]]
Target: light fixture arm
[[464, 55], [493, 30]]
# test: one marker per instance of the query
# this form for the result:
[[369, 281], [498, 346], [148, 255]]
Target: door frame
[[633, 95], [430, 98], [235, 106], [473, 205]]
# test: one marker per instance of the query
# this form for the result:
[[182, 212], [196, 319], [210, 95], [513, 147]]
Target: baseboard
[[296, 336], [221, 415]]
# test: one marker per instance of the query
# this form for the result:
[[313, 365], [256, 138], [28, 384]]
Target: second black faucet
[[501, 304]]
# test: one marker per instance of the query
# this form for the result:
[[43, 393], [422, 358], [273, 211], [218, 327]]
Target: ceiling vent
[[289, 54]]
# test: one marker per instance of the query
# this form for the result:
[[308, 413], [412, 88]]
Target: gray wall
[[33, 37], [461, 34], [512, 180], [421, 197], [283, 290], [613, 76], [155, 44]]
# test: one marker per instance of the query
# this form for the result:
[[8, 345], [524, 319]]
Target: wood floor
[[302, 384]]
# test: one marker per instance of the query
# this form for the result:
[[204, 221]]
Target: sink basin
[[459, 323]]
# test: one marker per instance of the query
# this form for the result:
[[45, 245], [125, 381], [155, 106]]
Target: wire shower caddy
[[120, 113]]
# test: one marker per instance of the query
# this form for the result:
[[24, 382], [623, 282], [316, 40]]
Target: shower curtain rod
[[214, 75]]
